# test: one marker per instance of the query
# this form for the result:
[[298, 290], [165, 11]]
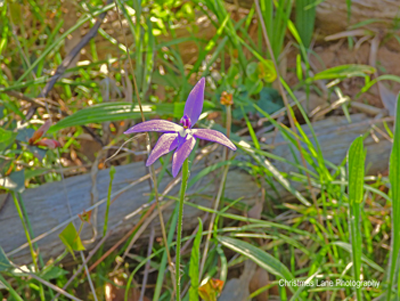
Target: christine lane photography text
[[330, 283]]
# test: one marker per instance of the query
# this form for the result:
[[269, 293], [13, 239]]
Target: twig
[[35, 101], [84, 263]]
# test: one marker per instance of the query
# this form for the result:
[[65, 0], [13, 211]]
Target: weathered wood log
[[47, 205]]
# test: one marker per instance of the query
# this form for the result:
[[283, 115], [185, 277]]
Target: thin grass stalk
[[185, 177], [30, 230], [28, 237], [112, 172]]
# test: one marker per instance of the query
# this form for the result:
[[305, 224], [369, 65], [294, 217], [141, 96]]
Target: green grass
[[341, 222]]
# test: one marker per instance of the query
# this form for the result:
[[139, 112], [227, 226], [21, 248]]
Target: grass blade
[[394, 176], [194, 265], [356, 162], [112, 172], [260, 257], [305, 19]]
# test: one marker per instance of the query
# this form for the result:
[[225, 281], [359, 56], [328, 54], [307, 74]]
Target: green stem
[[30, 231], [28, 237], [185, 176]]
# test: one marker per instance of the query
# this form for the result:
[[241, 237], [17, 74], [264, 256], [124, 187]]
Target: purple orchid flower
[[181, 137]]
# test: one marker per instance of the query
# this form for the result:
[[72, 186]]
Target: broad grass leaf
[[260, 257], [356, 166], [356, 162], [343, 71], [120, 111]]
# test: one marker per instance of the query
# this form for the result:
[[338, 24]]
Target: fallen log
[[47, 205]]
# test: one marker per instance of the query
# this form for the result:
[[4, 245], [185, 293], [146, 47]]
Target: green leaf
[[253, 87], [394, 176], [252, 71], [4, 262], [6, 138], [343, 71], [53, 272], [119, 111], [194, 265], [260, 257], [266, 71], [305, 19], [71, 239], [356, 163]]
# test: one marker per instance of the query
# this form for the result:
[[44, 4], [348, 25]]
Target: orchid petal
[[194, 102], [214, 136], [181, 154], [156, 125], [165, 144]]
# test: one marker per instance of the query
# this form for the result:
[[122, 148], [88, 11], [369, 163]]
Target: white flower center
[[183, 132]]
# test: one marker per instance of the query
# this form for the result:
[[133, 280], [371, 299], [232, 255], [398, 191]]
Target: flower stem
[[28, 237], [185, 176]]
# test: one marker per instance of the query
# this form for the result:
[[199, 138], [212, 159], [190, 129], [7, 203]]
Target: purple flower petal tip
[[213, 136], [156, 125], [194, 102]]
